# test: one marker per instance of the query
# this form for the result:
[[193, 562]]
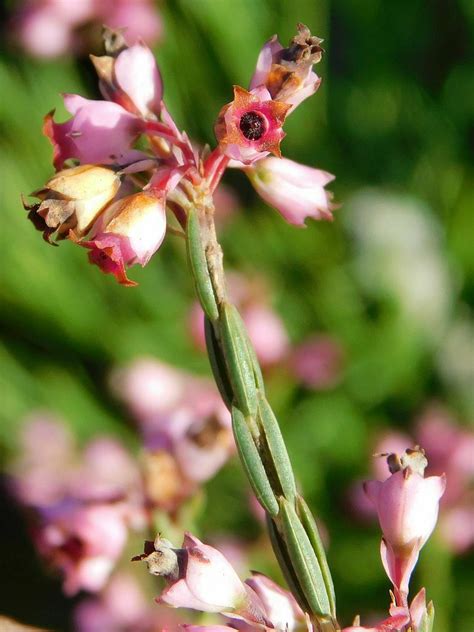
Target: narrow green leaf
[[252, 463], [276, 448], [304, 560], [284, 561], [217, 362], [239, 365], [309, 525], [198, 265]]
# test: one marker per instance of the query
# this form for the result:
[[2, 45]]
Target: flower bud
[[130, 231], [250, 127], [296, 191], [407, 506], [72, 199], [131, 79]]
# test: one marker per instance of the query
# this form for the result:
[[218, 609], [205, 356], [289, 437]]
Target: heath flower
[[130, 231], [250, 127], [72, 199], [287, 72], [201, 578], [131, 79], [407, 506], [294, 190], [98, 132]]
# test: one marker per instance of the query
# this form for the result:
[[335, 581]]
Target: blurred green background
[[393, 120]]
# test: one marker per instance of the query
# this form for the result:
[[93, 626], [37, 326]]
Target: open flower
[[98, 132], [250, 127], [131, 79], [296, 191], [407, 506], [201, 578], [130, 231], [287, 72], [72, 199]]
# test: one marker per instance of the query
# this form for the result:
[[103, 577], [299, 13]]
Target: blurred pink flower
[[82, 504], [296, 191], [317, 362], [123, 606], [83, 541], [149, 388], [407, 506], [50, 28], [41, 473]]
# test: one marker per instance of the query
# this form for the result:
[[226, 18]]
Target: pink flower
[[49, 28], [73, 199], [200, 578], [294, 190], [317, 362], [407, 506], [130, 231], [394, 623], [250, 127], [99, 132], [139, 19], [287, 72], [280, 606], [84, 542], [149, 388], [132, 80]]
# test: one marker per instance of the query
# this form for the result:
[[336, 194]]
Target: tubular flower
[[407, 506], [201, 578], [131, 78], [72, 199], [130, 231], [99, 131], [287, 72], [296, 191], [250, 127]]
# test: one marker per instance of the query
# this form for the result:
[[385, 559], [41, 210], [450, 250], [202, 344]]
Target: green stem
[[261, 447]]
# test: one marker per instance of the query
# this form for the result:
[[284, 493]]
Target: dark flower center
[[252, 125]]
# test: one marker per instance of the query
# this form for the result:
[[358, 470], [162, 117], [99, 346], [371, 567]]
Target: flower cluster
[[123, 163], [50, 28]]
